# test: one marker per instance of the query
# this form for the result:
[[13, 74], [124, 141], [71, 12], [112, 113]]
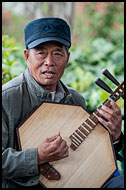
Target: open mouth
[[48, 74]]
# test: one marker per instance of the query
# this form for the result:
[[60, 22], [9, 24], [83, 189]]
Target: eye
[[41, 53], [58, 54]]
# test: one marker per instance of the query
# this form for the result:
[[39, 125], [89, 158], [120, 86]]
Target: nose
[[49, 60]]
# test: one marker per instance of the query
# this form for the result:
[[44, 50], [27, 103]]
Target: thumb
[[54, 137]]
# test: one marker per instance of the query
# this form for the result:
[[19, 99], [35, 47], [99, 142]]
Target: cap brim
[[42, 40]]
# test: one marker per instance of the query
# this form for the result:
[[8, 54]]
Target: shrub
[[12, 60]]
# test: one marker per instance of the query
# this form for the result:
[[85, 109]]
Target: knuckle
[[109, 117], [58, 152], [54, 147], [46, 140], [108, 125], [64, 142], [112, 112], [67, 153], [119, 111]]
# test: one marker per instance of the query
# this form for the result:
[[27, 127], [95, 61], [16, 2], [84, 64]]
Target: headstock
[[115, 95]]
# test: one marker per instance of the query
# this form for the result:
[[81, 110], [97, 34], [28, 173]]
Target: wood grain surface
[[90, 165]]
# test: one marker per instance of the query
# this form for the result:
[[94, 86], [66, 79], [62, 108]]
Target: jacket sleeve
[[17, 164], [119, 145]]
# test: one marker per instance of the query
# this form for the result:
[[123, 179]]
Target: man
[[47, 42]]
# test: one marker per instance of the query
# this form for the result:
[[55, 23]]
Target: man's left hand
[[113, 115]]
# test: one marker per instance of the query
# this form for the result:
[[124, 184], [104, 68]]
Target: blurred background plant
[[13, 62], [97, 30]]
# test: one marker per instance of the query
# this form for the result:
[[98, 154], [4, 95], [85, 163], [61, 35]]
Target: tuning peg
[[110, 77], [103, 85]]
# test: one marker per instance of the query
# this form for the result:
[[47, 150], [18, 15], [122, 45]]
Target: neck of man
[[50, 88]]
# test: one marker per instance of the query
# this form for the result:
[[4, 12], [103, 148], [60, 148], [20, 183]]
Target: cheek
[[33, 64], [34, 68], [61, 70]]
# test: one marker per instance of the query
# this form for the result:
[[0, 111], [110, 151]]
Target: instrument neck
[[88, 125]]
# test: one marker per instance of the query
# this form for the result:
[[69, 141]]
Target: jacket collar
[[33, 85]]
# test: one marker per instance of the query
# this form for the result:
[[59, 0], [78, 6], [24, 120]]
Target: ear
[[68, 58], [26, 54]]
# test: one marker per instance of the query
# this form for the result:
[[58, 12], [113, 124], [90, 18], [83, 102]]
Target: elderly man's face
[[46, 63]]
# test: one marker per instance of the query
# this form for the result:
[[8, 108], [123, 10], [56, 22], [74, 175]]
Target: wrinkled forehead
[[52, 44]]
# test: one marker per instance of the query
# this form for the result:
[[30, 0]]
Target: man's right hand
[[52, 149]]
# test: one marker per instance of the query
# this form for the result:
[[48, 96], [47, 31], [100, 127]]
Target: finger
[[106, 109], [64, 145], [110, 113], [58, 140], [55, 144], [66, 149], [66, 152], [63, 150], [115, 108], [53, 138], [109, 116], [106, 124]]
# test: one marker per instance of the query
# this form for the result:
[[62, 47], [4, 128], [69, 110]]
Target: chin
[[46, 83]]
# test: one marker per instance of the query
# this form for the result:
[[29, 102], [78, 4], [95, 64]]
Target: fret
[[73, 146], [95, 115], [75, 142], [94, 118], [76, 138], [85, 129], [87, 125], [107, 102], [111, 99], [82, 133], [98, 111], [91, 121], [78, 135]]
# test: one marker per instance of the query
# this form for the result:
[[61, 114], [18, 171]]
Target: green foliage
[[12, 60], [101, 20], [87, 62]]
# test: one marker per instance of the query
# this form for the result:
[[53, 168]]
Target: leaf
[[102, 45]]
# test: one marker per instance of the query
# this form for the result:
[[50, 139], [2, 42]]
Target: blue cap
[[47, 29]]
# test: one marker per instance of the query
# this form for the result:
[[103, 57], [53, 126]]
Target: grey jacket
[[20, 97]]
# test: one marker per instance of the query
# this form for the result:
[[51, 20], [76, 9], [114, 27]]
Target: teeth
[[48, 73]]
